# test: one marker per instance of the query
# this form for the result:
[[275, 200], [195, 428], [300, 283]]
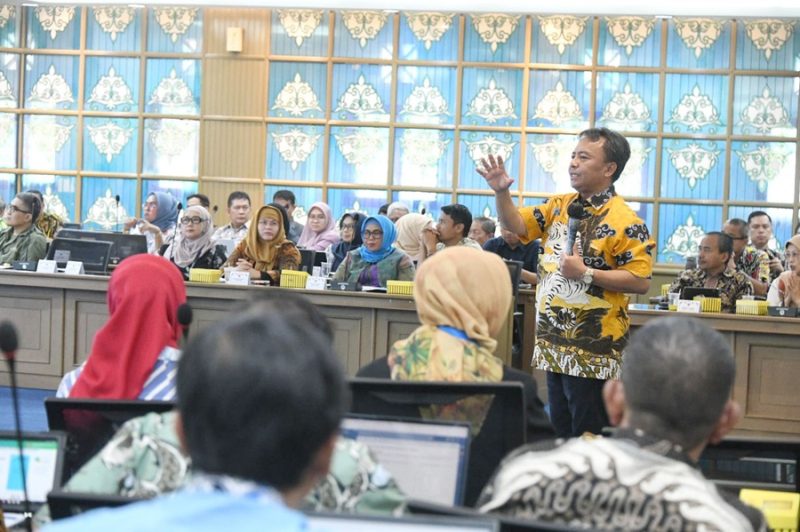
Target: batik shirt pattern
[[732, 285], [754, 263]]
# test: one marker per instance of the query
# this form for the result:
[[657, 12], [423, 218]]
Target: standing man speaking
[[582, 311]]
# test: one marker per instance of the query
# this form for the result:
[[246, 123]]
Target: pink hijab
[[328, 236]]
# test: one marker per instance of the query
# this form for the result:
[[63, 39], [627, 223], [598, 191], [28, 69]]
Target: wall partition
[[358, 108]]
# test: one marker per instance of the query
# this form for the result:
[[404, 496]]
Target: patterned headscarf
[[167, 211], [389, 236]]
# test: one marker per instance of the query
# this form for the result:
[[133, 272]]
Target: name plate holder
[[317, 283], [47, 266], [687, 305], [238, 278], [74, 267]]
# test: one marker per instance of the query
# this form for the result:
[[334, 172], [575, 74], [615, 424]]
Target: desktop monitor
[[329, 522], [93, 253], [123, 244], [43, 461]]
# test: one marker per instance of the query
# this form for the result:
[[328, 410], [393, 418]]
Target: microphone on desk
[[116, 213], [185, 319], [575, 212], [8, 345]]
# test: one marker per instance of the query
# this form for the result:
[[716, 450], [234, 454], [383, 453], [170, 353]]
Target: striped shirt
[[160, 385]]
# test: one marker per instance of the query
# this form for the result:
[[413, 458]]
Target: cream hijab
[[409, 234], [789, 281]]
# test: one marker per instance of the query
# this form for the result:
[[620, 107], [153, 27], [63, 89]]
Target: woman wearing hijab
[[785, 290], [409, 235], [194, 248], [158, 221], [265, 251], [135, 354], [376, 260], [320, 229], [350, 225]]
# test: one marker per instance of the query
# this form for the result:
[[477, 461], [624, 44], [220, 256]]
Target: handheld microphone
[[575, 212], [116, 213], [8, 345], [185, 319]]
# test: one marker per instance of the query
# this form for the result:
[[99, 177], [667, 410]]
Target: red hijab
[[144, 294]]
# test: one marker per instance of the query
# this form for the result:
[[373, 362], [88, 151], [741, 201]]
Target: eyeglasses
[[194, 220], [373, 234], [150, 205], [268, 222], [348, 227], [13, 208]]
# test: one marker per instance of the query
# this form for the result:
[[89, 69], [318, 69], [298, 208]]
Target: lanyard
[[458, 333]]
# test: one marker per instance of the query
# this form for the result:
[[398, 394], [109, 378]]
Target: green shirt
[[28, 245]]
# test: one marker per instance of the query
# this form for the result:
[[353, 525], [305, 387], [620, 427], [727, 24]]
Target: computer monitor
[[123, 244], [412, 450], [93, 253], [329, 522], [310, 258], [690, 292], [43, 461]]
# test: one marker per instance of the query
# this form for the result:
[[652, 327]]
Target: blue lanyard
[[458, 333]]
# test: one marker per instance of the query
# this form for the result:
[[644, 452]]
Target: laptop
[[93, 253], [43, 459], [329, 522], [412, 449]]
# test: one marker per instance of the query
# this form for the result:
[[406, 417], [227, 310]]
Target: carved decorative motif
[[296, 97], [7, 97], [300, 24], [548, 156], [429, 26], [765, 113], [562, 30], [698, 34], [361, 99], [489, 145], [491, 104], [109, 138], [50, 90], [359, 148], [114, 20], [627, 110], [295, 146], [762, 165], [54, 19], [175, 21], [47, 135], [630, 32], [685, 240], [696, 111], [693, 163], [423, 148], [7, 12], [7, 123], [495, 28], [558, 106], [425, 101], [106, 212], [172, 137], [172, 92], [769, 34], [364, 25], [111, 91], [54, 205]]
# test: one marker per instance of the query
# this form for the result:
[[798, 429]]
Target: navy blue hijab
[[341, 249]]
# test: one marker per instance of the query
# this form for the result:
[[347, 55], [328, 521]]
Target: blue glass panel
[[109, 144], [54, 27], [51, 82], [638, 178], [423, 158], [49, 142], [768, 44], [562, 40], [627, 101], [58, 191], [495, 38], [295, 152], [173, 86], [8, 140], [8, 187], [479, 205], [762, 171], [681, 227], [348, 200], [491, 97], [9, 80], [693, 169], [299, 32], [363, 34], [702, 43], [359, 155], [101, 212], [476, 145], [429, 36], [426, 95], [171, 147], [559, 99], [297, 90], [9, 36], [547, 163], [629, 41], [430, 202], [175, 29], [765, 106], [781, 222], [305, 196], [112, 84], [179, 189], [114, 28], [696, 104], [361, 92]]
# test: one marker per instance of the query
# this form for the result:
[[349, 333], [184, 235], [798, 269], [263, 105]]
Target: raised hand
[[494, 172]]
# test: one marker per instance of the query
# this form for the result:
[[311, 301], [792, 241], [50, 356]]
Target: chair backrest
[[502, 431], [515, 270]]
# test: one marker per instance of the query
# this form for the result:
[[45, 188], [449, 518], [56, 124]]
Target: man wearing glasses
[[752, 262]]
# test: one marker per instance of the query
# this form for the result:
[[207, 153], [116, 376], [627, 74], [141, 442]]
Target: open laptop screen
[[427, 459], [42, 461]]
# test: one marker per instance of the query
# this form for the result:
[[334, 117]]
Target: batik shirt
[[581, 329], [228, 232], [754, 263], [732, 285]]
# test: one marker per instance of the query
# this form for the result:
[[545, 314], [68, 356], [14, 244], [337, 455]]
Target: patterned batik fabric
[[754, 263], [581, 329], [626, 482], [732, 285]]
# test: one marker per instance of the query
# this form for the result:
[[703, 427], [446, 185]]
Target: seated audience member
[[21, 240], [409, 235], [452, 230], [158, 222], [785, 290], [320, 229], [266, 251], [194, 248], [759, 224], [673, 399], [714, 271], [260, 398], [376, 260], [199, 199], [134, 355], [286, 199], [3, 210], [384, 209], [509, 247], [350, 225], [482, 229], [145, 458], [463, 297], [48, 222], [239, 216], [396, 210], [746, 258]]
